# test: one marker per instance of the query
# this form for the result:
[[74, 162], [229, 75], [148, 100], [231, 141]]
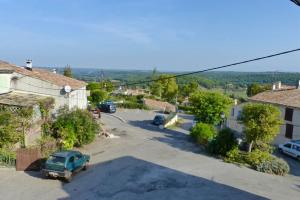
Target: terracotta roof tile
[[45, 75], [154, 104], [288, 97]]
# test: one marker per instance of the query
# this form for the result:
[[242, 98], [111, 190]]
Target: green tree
[[169, 87], [189, 88], [256, 88], [262, 123], [106, 85], [98, 95], [156, 89], [93, 86], [208, 106], [68, 71]]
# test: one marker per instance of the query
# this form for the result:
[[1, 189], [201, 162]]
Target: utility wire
[[190, 73], [214, 68]]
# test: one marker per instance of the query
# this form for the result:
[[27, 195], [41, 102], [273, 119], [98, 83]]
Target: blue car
[[108, 107], [159, 120], [64, 163]]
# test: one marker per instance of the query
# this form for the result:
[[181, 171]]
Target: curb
[[115, 116]]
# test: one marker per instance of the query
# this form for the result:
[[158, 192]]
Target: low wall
[[171, 119]]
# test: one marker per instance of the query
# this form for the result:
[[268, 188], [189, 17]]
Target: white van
[[291, 148]]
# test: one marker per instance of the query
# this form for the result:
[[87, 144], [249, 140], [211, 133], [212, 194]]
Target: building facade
[[66, 91], [287, 99]]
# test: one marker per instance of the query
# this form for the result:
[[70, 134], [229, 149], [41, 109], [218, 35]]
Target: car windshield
[[56, 160], [159, 118]]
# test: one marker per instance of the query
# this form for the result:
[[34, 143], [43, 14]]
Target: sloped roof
[[154, 104], [287, 97], [5, 67], [20, 99], [45, 75]]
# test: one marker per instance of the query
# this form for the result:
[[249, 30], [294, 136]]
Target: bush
[[257, 157], [223, 142], [47, 145], [7, 157], [203, 133], [274, 166], [75, 128], [235, 156], [132, 105]]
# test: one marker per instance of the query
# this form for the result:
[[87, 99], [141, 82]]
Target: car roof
[[296, 141], [65, 153]]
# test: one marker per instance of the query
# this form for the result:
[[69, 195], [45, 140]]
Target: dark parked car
[[64, 163], [159, 120], [108, 107]]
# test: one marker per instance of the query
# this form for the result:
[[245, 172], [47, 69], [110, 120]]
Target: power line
[[214, 68], [186, 74]]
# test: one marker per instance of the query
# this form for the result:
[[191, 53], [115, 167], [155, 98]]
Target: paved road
[[148, 163]]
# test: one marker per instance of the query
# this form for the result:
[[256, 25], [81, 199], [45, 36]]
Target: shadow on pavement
[[293, 163], [172, 137], [132, 178]]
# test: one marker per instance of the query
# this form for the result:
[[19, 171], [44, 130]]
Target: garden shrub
[[256, 157], [203, 133], [47, 145], [223, 142], [235, 156], [274, 166], [7, 157], [75, 128], [132, 105]]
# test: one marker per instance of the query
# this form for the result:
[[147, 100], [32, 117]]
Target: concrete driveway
[[149, 163]]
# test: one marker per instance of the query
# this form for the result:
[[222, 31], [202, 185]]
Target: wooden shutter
[[289, 114], [289, 131]]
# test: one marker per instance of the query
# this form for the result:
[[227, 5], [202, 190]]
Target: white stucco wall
[[26, 84], [5, 82], [233, 123]]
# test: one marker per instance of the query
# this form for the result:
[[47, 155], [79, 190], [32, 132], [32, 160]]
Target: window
[[289, 114], [78, 156], [289, 131], [232, 112], [71, 159], [287, 145], [239, 115]]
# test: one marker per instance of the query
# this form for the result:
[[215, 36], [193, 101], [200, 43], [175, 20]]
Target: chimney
[[274, 87], [279, 85], [28, 65], [54, 71]]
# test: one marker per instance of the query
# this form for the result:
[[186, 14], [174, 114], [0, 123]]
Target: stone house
[[27, 80], [287, 99], [25, 87]]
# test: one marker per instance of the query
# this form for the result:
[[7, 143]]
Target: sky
[[171, 35]]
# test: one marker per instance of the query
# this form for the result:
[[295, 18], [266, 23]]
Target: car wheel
[[68, 177], [86, 166], [46, 175]]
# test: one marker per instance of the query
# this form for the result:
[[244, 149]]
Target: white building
[[287, 99], [27, 80]]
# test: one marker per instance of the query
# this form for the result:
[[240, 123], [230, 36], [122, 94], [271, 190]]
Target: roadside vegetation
[[71, 129], [261, 121]]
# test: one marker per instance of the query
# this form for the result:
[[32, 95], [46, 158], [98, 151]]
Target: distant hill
[[207, 79]]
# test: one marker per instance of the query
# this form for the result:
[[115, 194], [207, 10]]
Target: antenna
[[67, 88]]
